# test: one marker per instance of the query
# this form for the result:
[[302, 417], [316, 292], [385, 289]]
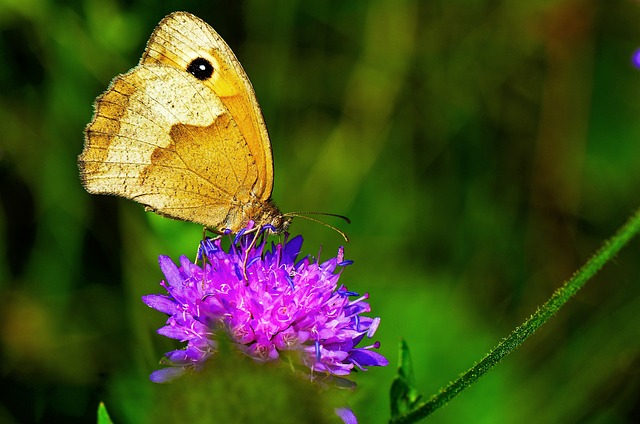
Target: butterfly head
[[267, 214]]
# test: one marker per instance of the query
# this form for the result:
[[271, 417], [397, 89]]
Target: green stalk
[[606, 252]]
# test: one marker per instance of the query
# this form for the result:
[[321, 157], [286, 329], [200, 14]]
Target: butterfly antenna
[[304, 216]]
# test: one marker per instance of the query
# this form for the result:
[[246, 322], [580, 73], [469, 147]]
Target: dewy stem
[[606, 252]]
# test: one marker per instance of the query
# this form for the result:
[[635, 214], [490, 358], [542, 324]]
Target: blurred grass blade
[[560, 297], [103, 415], [404, 396]]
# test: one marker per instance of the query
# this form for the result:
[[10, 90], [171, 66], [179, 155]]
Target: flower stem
[[606, 252]]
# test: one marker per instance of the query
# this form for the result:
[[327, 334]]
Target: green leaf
[[404, 395], [103, 415]]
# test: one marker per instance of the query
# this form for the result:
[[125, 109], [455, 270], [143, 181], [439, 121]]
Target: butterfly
[[183, 134]]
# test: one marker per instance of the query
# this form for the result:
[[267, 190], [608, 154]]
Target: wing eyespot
[[200, 68]]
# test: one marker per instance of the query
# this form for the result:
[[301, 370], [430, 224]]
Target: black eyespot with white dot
[[200, 68]]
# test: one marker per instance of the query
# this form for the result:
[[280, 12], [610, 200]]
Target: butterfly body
[[182, 133]]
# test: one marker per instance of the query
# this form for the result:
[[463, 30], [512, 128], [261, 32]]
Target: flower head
[[268, 303], [635, 58]]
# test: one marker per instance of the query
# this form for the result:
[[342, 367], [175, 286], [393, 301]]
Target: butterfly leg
[[200, 251], [200, 254]]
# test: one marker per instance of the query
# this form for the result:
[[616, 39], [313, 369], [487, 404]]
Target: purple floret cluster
[[268, 303]]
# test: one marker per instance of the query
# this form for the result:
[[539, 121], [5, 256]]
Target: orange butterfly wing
[[182, 133]]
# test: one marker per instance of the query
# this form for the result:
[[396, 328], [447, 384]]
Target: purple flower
[[346, 415], [268, 303], [635, 58]]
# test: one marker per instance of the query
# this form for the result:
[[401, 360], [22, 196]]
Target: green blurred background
[[482, 149]]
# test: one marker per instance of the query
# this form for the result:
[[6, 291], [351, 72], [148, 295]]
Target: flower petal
[[165, 375], [161, 303], [346, 415], [366, 357], [170, 270], [292, 250]]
